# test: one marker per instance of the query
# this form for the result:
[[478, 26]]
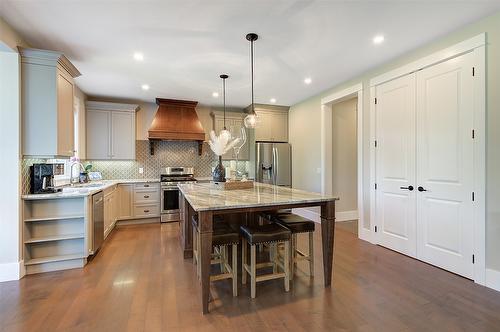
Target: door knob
[[421, 189], [410, 188]]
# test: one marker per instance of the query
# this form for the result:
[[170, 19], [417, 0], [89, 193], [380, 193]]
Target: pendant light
[[224, 132], [250, 120]]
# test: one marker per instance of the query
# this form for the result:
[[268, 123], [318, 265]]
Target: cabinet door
[[125, 195], [219, 125], [245, 149], [107, 214], [98, 134], [232, 122], [122, 135], [263, 128], [279, 127], [115, 206], [65, 117]]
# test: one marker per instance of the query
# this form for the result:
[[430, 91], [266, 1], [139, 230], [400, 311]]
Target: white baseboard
[[346, 215], [314, 215], [11, 271], [492, 279]]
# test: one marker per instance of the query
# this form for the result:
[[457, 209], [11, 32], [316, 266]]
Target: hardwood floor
[[140, 282]]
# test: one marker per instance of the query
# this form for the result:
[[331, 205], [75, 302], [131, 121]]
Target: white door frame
[[355, 91], [476, 45]]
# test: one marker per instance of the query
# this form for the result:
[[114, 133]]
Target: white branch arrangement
[[222, 143]]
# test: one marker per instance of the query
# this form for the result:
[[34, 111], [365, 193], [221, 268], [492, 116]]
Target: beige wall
[[82, 119], [10, 38], [344, 155], [10, 143], [305, 139]]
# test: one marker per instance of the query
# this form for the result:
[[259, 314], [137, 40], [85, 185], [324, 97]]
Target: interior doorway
[[351, 95], [344, 159]]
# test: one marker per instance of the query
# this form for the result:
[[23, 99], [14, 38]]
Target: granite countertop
[[210, 196], [85, 189]]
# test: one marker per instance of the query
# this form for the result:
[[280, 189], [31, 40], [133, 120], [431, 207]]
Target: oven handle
[[170, 188]]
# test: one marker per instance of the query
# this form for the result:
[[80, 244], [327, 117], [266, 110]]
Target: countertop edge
[[106, 185], [318, 200]]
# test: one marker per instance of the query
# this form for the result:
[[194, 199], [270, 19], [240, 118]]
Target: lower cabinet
[[146, 200], [130, 201], [111, 209], [138, 200], [125, 197]]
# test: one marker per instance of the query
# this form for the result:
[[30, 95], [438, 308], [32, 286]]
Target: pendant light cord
[[224, 98], [251, 66]]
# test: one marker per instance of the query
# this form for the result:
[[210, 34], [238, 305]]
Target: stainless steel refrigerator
[[273, 162]]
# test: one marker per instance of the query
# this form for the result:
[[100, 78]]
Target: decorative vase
[[219, 174]]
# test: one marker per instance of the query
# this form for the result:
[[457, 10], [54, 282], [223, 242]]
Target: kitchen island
[[209, 199]]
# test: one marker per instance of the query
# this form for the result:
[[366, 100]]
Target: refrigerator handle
[[275, 165]]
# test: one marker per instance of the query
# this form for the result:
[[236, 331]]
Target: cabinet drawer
[[142, 187], [152, 197], [147, 210]]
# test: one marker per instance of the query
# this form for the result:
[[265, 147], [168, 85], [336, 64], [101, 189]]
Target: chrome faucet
[[71, 178]]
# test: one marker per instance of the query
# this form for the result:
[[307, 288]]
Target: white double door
[[424, 165]]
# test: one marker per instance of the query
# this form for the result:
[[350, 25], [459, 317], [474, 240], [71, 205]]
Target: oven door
[[169, 204]]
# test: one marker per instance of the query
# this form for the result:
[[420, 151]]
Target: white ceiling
[[187, 44]]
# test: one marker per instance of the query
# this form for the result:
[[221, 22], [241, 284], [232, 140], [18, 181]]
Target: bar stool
[[297, 224], [271, 234], [223, 236]]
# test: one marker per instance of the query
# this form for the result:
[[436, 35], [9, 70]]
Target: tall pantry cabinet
[[47, 103]]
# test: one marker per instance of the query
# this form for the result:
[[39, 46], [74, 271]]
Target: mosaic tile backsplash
[[167, 153]]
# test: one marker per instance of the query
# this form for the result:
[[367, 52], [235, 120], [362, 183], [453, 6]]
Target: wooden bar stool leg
[[294, 256], [234, 269], [252, 270], [311, 254], [243, 261], [222, 258], [274, 260], [287, 266]]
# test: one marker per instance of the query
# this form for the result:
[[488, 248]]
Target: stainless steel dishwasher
[[97, 221]]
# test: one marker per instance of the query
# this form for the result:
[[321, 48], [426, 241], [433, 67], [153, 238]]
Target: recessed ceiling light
[[307, 80], [378, 39], [145, 87], [215, 94], [138, 56], [272, 100]]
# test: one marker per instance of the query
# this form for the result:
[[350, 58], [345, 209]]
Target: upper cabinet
[[110, 131], [236, 122], [47, 103], [272, 125]]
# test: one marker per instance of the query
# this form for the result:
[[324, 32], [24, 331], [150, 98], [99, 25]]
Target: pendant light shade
[[224, 132], [250, 120]]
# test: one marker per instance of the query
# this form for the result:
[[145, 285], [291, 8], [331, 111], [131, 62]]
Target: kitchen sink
[[87, 185], [75, 190]]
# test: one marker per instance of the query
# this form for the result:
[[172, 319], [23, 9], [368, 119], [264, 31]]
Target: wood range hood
[[176, 120]]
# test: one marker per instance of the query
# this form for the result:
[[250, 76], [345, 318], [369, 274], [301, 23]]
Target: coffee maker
[[42, 179]]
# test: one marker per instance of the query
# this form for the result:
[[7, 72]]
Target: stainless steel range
[[170, 178]]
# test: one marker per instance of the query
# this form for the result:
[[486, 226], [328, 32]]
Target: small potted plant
[[84, 176]]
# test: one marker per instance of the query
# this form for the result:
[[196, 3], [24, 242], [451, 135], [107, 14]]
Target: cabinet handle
[[146, 196], [146, 185], [421, 189], [146, 211]]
